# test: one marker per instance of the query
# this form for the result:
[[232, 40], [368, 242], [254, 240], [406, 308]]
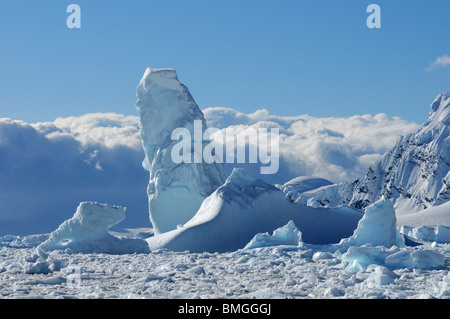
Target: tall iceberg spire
[[175, 191]]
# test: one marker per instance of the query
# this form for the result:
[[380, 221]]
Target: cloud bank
[[46, 169], [334, 148]]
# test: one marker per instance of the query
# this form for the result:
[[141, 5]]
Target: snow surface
[[302, 184], [431, 217], [164, 104]]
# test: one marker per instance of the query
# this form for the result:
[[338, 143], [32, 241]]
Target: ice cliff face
[[414, 174], [175, 191]]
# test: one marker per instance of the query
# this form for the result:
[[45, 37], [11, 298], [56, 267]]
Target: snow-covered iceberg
[[87, 232], [175, 190], [241, 208], [302, 184]]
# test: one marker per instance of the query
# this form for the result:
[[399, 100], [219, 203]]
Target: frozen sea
[[278, 272]]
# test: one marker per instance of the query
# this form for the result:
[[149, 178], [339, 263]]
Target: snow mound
[[286, 235], [164, 105], [241, 208], [378, 227], [430, 217], [87, 232]]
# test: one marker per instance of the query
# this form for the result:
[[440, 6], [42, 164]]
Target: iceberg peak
[[240, 176], [165, 77], [377, 227], [175, 190]]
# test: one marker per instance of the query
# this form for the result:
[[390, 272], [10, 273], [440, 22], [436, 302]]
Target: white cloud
[[442, 61], [334, 148], [108, 130]]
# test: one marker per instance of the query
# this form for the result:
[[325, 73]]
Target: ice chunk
[[175, 190], [439, 234], [378, 227], [359, 258], [39, 267], [421, 258], [380, 276], [442, 234], [87, 232], [321, 255], [286, 235], [241, 208]]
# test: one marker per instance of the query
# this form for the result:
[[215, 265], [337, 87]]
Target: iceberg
[[87, 232], [360, 258], [378, 227], [175, 190], [439, 234], [302, 184], [286, 235], [422, 259], [242, 207]]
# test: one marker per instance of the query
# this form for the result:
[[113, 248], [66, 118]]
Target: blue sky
[[291, 57]]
